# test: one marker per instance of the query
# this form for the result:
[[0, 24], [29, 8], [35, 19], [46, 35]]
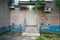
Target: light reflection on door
[[31, 18]]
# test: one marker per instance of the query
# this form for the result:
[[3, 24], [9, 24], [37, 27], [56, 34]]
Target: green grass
[[48, 37], [57, 35], [19, 34], [40, 38], [6, 32]]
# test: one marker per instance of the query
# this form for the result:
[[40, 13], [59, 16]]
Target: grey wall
[[4, 13]]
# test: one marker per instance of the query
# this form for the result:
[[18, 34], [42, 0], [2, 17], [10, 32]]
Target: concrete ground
[[30, 33], [15, 37]]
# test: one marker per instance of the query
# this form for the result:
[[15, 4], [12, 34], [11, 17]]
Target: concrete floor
[[14, 36], [32, 35]]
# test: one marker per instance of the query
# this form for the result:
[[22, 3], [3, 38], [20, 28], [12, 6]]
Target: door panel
[[31, 18]]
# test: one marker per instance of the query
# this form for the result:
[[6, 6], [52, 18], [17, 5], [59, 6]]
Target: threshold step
[[31, 34]]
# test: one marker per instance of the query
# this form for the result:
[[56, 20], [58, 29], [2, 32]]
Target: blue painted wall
[[47, 29], [16, 28], [43, 28], [3, 29]]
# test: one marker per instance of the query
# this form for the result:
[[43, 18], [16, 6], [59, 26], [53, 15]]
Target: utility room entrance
[[31, 17]]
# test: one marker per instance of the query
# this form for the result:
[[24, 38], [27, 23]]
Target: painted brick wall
[[17, 16], [50, 18]]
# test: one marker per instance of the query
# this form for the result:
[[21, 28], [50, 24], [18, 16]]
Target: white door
[[31, 18]]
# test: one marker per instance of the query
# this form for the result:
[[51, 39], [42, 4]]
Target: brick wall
[[17, 16], [50, 18], [26, 17]]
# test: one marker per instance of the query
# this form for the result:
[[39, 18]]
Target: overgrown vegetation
[[6, 32], [19, 34], [57, 2], [37, 4], [48, 36], [58, 35], [40, 38]]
